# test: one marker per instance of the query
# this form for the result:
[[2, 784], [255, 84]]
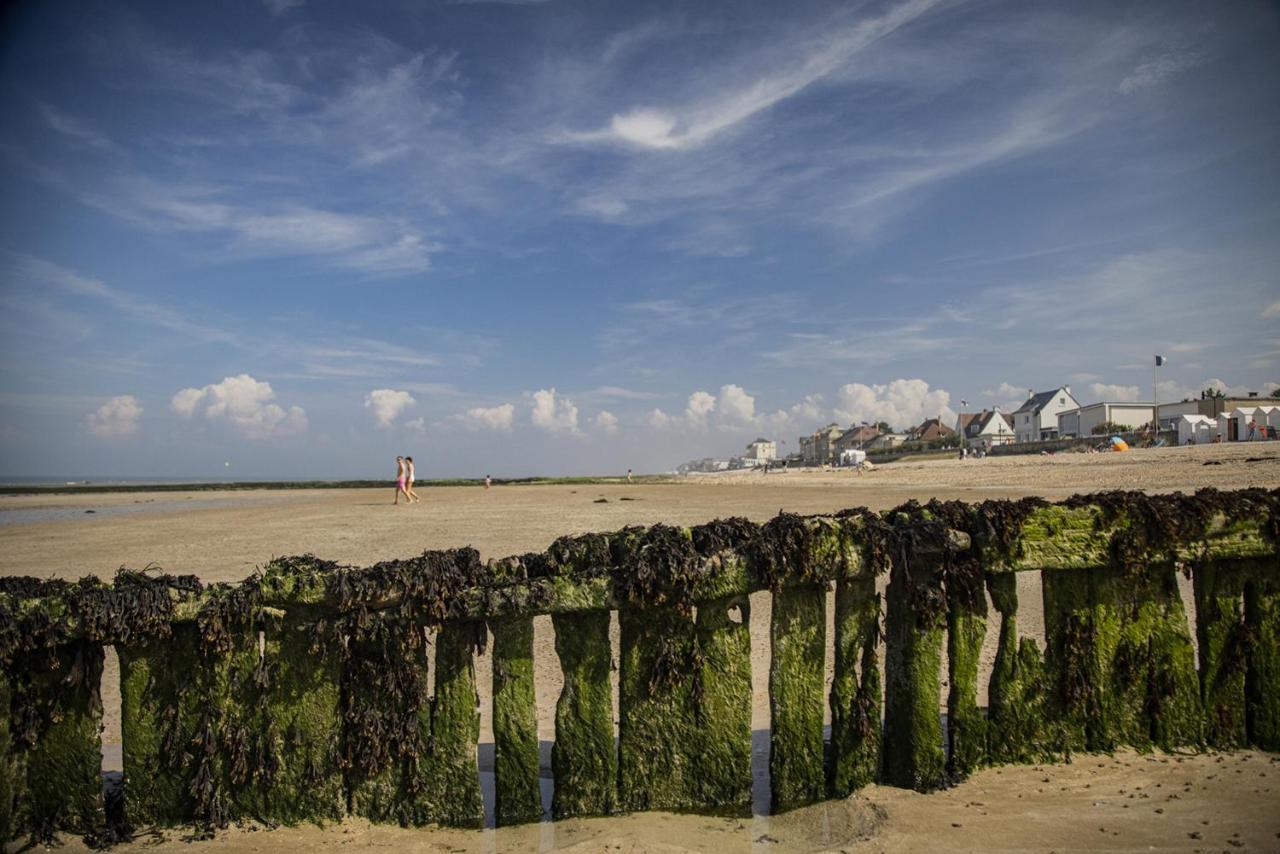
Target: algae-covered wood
[[584, 760], [796, 702], [518, 794], [855, 696], [685, 709]]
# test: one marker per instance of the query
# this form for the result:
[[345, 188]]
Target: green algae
[[1262, 678], [913, 754], [584, 759], [63, 766], [8, 766], [164, 689], [286, 726], [796, 702], [1221, 640], [1019, 729], [685, 710], [966, 724], [518, 796], [854, 759]]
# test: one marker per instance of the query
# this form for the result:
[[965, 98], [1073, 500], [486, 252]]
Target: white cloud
[[903, 403], [499, 417], [116, 418], [417, 425], [606, 422], [1153, 72], [555, 415], [658, 420], [1118, 393], [245, 403], [1272, 310], [701, 404], [736, 407], [693, 125], [387, 404]]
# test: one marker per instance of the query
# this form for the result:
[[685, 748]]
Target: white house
[[1037, 419], [762, 451], [1082, 421], [985, 429], [1196, 429]]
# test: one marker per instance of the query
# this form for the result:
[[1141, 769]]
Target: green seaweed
[[1262, 678], [8, 767], [1221, 639], [966, 724], [518, 796], [913, 755], [796, 682], [1018, 725], [854, 757], [684, 710], [584, 759]]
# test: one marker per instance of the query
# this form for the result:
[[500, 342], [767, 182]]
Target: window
[[1062, 401]]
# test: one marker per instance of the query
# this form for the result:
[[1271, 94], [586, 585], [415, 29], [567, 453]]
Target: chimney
[[1067, 389], [1031, 393]]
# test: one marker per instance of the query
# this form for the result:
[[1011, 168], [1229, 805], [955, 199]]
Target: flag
[[1159, 361]]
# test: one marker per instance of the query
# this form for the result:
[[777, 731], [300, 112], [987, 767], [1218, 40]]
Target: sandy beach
[[1087, 805]]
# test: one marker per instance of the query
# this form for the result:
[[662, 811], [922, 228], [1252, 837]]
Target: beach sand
[[223, 536]]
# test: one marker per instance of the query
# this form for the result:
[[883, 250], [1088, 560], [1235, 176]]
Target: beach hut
[[1268, 416], [1196, 429]]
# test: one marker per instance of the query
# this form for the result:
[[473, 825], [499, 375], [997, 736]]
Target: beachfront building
[[1209, 406], [984, 429], [818, 448], [856, 438], [762, 451], [931, 430], [1196, 429], [1082, 421], [1037, 419], [886, 442]]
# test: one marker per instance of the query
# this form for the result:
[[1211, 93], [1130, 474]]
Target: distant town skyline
[[294, 239]]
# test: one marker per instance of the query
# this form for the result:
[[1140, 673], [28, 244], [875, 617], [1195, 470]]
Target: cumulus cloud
[[902, 403], [554, 414], [246, 404], [387, 404], [1116, 393], [498, 418], [736, 407], [606, 422], [701, 404], [116, 418], [658, 420]]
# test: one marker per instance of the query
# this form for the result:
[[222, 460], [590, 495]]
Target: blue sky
[[557, 237]]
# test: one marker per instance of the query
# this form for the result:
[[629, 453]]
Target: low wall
[[301, 693]]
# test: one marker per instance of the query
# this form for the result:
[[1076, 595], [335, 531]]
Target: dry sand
[[223, 536]]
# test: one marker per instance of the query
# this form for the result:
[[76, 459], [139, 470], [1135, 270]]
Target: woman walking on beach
[[409, 493], [400, 476]]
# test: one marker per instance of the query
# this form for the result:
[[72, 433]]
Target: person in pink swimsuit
[[400, 488]]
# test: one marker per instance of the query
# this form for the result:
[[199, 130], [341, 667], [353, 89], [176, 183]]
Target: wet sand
[[223, 536]]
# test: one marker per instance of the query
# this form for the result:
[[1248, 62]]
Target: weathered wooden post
[[855, 700], [583, 758], [518, 794], [1018, 725]]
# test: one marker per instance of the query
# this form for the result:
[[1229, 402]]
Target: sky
[[293, 239]]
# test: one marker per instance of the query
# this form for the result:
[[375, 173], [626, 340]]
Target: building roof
[[861, 433], [1039, 400], [977, 422], [932, 428]]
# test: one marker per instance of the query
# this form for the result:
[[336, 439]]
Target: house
[[886, 441], [984, 429], [1037, 419], [1082, 421], [856, 438], [930, 430], [762, 451], [818, 448]]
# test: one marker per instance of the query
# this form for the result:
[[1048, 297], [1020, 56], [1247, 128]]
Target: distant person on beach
[[628, 475], [409, 493], [400, 476], [488, 481]]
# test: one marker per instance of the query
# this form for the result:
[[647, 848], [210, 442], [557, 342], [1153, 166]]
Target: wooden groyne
[[302, 693]]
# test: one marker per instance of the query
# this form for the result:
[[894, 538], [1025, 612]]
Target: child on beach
[[488, 481], [408, 492]]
